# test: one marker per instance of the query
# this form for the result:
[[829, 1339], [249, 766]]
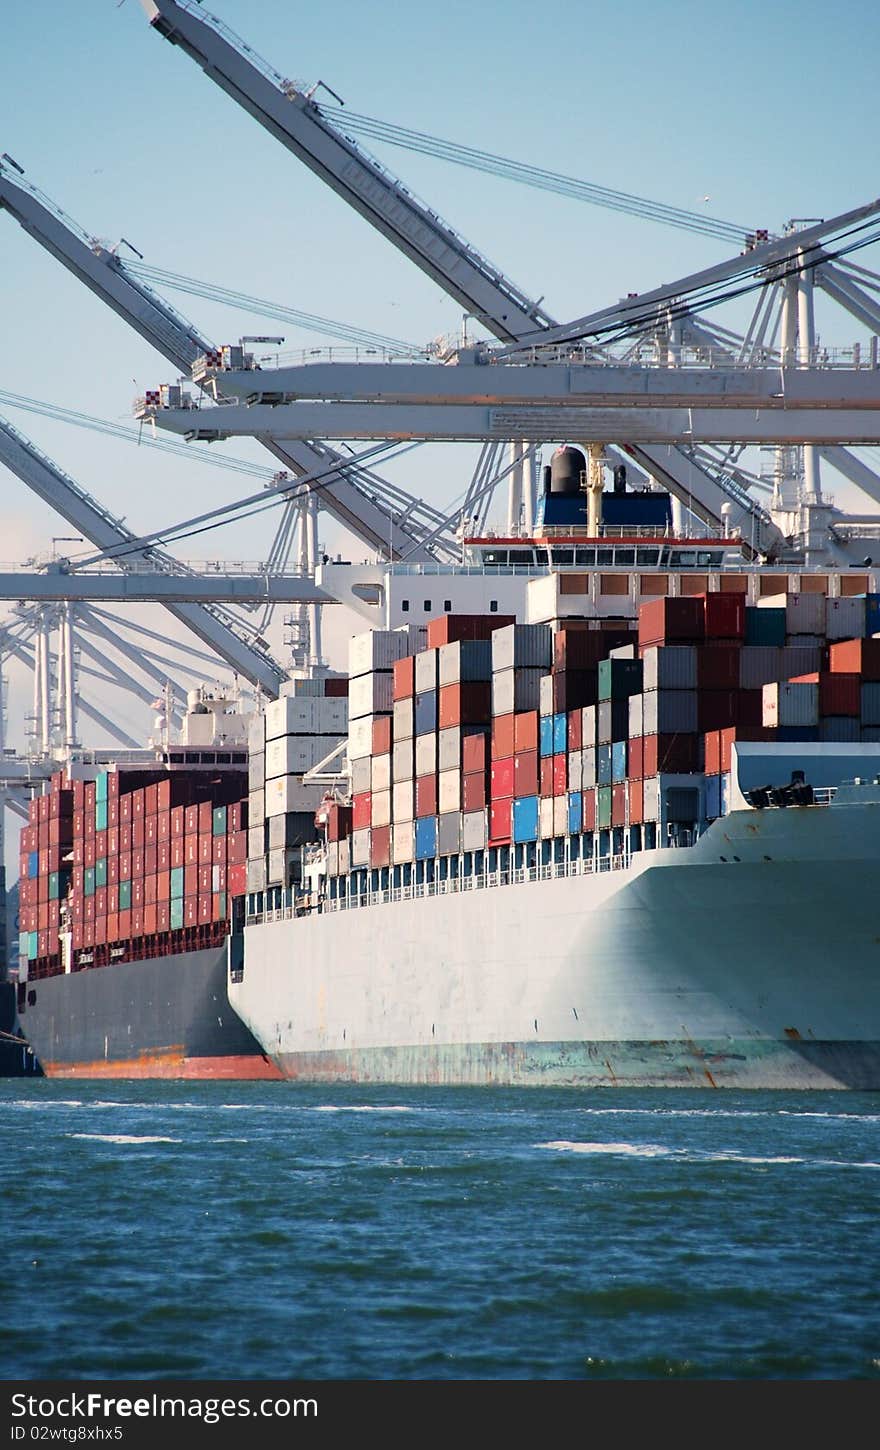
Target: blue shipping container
[[545, 739], [765, 626], [525, 818], [575, 812], [872, 614], [619, 750], [560, 734], [713, 797], [725, 792], [426, 838], [426, 712], [603, 764], [33, 864]]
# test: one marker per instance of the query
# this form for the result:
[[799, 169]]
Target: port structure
[[689, 464]]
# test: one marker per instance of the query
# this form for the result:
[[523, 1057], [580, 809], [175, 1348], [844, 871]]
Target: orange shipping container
[[636, 790], [503, 737], [526, 731], [382, 733], [403, 684]]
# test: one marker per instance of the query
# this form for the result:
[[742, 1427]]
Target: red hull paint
[[171, 1064]]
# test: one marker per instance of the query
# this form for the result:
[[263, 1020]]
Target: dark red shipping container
[[469, 703], [545, 776], [678, 754], [380, 847], [447, 628], [839, 694], [575, 730], [718, 664], [473, 791], [426, 795], [618, 804], [724, 615], [667, 620], [526, 773], [560, 774], [474, 753], [636, 758]]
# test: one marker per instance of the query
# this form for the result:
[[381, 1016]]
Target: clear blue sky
[[768, 109]]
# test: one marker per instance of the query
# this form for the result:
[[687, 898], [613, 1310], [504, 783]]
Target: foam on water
[[124, 1137]]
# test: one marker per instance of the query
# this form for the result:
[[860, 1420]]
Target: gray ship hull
[[749, 960]]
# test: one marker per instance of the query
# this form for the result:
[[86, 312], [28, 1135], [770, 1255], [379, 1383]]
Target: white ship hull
[[749, 960]]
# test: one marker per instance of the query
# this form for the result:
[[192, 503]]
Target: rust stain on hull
[[171, 1063]]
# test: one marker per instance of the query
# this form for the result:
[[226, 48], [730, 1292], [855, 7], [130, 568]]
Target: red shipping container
[[501, 785], [190, 911], [467, 703], [678, 754], [739, 732], [575, 730], [205, 880], [545, 776], [79, 794], [403, 684], [150, 919], [79, 852], [177, 818], [636, 790], [218, 907], [473, 791], [89, 851], [125, 811], [525, 773], [666, 620], [112, 926], [163, 794], [724, 615], [191, 821], [218, 850], [124, 924], [856, 657], [718, 664], [190, 880], [503, 736], [151, 860], [716, 709], [151, 799], [335, 687], [124, 865], [137, 805], [382, 732], [100, 844], [88, 933], [149, 890], [712, 752], [43, 808], [589, 805], [163, 885], [448, 628], [76, 936], [205, 903], [151, 830], [137, 892], [218, 877], [191, 850], [100, 901], [89, 824], [526, 731], [618, 804], [113, 811], [237, 880], [361, 810], [137, 865], [560, 774], [163, 826], [163, 856], [474, 753], [112, 841], [137, 921], [636, 758], [100, 930], [137, 832], [233, 816], [206, 817], [380, 847], [125, 836], [499, 820], [178, 851], [839, 694], [237, 852], [163, 916], [426, 795]]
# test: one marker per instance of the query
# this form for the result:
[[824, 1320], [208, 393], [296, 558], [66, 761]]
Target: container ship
[[627, 837]]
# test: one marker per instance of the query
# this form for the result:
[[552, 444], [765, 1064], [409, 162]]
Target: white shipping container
[[404, 726], [361, 775], [402, 801], [426, 754], [360, 738], [804, 613], [294, 754], [426, 670], [402, 843], [516, 646], [575, 769], [332, 858], [449, 791], [845, 618], [376, 649], [669, 711], [380, 773], [545, 696], [785, 703], [290, 715], [344, 856], [588, 725], [515, 689], [651, 798], [560, 815], [464, 660], [380, 808], [473, 831], [256, 732], [256, 874], [402, 760], [256, 806], [636, 716], [545, 817], [588, 771], [669, 667], [449, 834], [287, 794], [370, 694], [449, 748], [360, 847]]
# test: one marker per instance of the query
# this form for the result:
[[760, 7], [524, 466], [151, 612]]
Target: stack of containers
[[521, 654], [45, 860], [861, 657], [464, 714], [372, 656], [300, 730]]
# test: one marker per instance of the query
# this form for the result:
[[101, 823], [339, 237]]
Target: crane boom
[[103, 272], [52, 485]]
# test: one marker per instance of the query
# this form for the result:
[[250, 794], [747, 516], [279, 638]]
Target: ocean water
[[280, 1231]]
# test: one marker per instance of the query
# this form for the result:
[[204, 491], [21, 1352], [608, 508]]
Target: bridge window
[[562, 556], [493, 606], [624, 556], [647, 557], [585, 556], [494, 557], [404, 606], [427, 606]]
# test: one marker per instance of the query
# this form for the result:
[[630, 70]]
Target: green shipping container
[[223, 905], [31, 939], [177, 883], [765, 626], [101, 871], [603, 807], [100, 815], [89, 881], [618, 679], [101, 787], [177, 913], [218, 821], [124, 896], [53, 886]]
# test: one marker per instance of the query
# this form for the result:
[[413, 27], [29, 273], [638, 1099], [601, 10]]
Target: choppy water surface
[[163, 1230]]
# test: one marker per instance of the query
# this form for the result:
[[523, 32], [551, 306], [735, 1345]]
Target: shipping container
[[380, 808], [448, 628], [381, 735], [500, 813], [522, 646], [473, 830], [403, 760], [765, 625], [669, 711], [426, 757], [788, 704], [370, 694], [465, 661], [515, 690], [525, 819], [404, 719], [426, 838], [404, 678], [855, 656], [448, 833], [426, 796], [618, 679], [426, 671], [376, 649], [668, 620], [380, 847], [475, 752], [468, 703], [403, 802], [380, 773]]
